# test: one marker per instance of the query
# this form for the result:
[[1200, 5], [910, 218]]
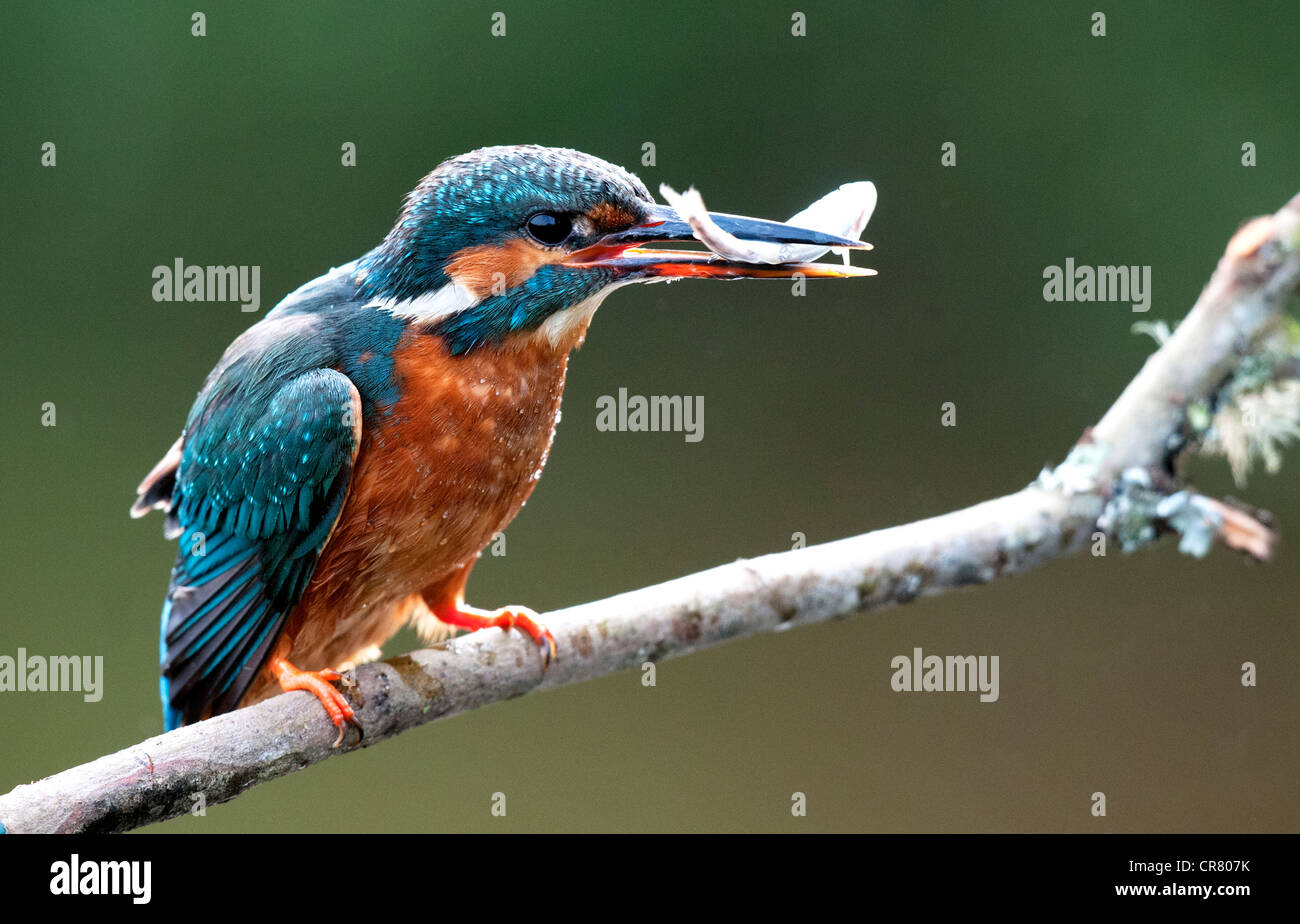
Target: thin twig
[[1058, 514]]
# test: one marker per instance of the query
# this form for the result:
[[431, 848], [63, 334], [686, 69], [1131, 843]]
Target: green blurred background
[[1119, 674]]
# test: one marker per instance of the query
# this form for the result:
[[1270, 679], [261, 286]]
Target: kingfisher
[[354, 451]]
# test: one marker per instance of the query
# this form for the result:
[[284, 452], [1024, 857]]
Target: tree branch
[[1119, 480]]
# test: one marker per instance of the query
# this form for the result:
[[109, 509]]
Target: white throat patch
[[431, 306], [562, 326], [558, 329]]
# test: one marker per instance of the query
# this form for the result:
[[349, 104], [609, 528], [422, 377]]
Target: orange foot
[[320, 684], [463, 616]]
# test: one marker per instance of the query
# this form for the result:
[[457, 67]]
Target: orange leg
[[463, 616], [320, 684]]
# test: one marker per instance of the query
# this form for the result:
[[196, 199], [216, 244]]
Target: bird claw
[[343, 731], [521, 617], [321, 685], [508, 617]]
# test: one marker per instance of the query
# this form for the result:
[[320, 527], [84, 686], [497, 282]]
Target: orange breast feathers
[[443, 469]]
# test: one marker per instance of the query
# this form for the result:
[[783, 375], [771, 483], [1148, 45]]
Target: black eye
[[549, 228]]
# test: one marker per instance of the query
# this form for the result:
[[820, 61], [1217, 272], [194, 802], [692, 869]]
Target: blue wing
[[262, 475]]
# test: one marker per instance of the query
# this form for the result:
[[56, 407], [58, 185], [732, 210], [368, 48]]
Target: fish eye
[[548, 228]]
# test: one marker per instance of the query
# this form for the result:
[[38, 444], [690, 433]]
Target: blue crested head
[[496, 196], [512, 239], [479, 249]]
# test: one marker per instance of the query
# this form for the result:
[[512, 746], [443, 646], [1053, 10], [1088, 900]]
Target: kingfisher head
[[527, 239]]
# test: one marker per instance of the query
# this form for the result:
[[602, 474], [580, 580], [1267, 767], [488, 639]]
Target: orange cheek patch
[[482, 268]]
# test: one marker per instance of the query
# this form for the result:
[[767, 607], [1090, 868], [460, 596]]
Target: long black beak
[[662, 224]]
